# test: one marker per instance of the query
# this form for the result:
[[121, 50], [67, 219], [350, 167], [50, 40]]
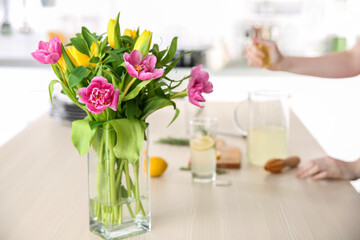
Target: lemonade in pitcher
[[265, 143]]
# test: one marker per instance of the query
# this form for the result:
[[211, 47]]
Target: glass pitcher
[[267, 125]]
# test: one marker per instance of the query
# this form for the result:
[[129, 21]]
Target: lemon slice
[[202, 143]]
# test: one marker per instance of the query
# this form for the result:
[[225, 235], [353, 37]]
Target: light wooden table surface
[[43, 190]]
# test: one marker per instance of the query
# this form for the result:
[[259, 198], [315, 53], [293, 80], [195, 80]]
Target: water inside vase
[[120, 220]]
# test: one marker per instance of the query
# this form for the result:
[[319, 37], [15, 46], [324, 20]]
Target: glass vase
[[119, 191]]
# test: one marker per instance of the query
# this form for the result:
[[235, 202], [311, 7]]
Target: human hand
[[327, 167], [255, 56]]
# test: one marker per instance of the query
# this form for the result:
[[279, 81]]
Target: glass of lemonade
[[203, 148]]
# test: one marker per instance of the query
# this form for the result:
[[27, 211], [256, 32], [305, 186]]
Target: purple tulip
[[142, 68], [199, 83], [48, 52], [99, 95]]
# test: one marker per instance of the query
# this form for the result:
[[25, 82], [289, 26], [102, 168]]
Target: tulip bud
[[77, 58], [143, 42], [62, 64], [130, 33], [110, 32]]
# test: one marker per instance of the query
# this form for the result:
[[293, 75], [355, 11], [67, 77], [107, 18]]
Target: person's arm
[[331, 168], [332, 65]]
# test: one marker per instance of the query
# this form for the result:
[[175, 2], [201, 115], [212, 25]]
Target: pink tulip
[[199, 83], [142, 68], [48, 52], [99, 95]]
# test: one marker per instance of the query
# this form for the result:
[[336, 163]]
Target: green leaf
[[160, 56], [124, 192], [72, 97], [156, 48], [82, 136], [159, 92], [94, 59], [126, 39], [121, 97], [57, 71], [69, 65], [130, 137], [88, 36], [81, 45], [136, 90], [130, 109], [171, 53], [95, 124], [154, 104], [102, 45], [51, 89], [117, 32], [116, 56], [77, 75], [177, 111]]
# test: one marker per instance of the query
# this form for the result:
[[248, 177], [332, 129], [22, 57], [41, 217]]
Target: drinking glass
[[203, 149]]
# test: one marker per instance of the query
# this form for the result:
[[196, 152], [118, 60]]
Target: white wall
[[301, 26]]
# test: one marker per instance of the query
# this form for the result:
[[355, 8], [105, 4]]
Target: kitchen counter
[[43, 185]]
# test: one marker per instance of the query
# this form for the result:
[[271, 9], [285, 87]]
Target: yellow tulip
[[62, 64], [139, 42], [110, 33], [93, 49], [131, 33], [77, 58]]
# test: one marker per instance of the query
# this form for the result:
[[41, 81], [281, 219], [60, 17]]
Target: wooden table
[[43, 187]]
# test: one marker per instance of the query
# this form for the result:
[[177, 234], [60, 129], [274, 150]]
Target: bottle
[[263, 48]]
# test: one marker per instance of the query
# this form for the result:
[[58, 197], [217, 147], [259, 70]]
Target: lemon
[[157, 166], [202, 143], [218, 155]]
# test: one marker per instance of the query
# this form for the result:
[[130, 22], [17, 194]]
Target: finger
[[255, 62], [305, 168], [256, 40], [310, 172], [320, 175], [268, 44], [253, 50]]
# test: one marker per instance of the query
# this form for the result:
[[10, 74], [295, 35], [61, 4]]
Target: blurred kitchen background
[[217, 31]]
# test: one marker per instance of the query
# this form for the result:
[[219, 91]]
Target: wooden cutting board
[[228, 156]]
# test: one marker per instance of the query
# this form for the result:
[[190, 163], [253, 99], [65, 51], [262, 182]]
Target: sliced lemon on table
[[202, 143]]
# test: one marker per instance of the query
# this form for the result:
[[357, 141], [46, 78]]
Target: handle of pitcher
[[242, 131]]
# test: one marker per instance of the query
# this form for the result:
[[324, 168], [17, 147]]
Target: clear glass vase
[[119, 191]]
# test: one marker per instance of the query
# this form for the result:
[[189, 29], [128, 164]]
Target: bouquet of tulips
[[118, 80]]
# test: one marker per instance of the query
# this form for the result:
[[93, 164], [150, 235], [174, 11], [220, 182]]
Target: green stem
[[181, 94], [136, 176], [130, 210], [118, 179], [110, 143], [118, 189], [100, 172], [89, 114], [129, 85], [133, 188], [128, 180]]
